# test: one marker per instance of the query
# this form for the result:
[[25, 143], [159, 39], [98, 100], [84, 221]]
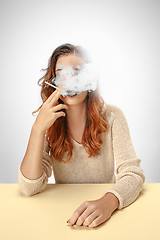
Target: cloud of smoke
[[75, 81]]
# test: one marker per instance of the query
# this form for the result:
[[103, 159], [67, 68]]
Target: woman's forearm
[[31, 165]]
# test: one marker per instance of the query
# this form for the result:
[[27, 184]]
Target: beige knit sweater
[[117, 145]]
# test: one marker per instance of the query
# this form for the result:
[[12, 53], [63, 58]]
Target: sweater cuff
[[117, 195], [31, 180]]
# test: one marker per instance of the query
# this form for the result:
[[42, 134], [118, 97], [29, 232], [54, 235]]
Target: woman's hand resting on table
[[93, 213]]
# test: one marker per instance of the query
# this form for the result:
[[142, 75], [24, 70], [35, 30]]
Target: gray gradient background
[[123, 38]]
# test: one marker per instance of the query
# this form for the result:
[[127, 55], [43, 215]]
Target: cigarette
[[51, 85]]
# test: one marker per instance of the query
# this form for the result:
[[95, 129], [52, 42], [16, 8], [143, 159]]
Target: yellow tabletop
[[44, 215]]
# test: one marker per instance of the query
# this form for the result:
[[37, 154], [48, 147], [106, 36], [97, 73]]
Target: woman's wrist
[[113, 200], [37, 129]]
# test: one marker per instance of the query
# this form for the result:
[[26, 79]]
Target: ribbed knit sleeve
[[130, 177], [30, 187]]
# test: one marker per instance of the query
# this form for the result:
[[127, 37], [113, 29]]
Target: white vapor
[[75, 81]]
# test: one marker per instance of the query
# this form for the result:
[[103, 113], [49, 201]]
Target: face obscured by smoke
[[75, 81]]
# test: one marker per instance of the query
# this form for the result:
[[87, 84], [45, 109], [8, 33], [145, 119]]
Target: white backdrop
[[123, 38]]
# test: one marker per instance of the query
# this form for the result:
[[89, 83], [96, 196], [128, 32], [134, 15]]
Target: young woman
[[78, 137]]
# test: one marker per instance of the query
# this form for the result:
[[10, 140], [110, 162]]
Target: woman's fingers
[[86, 217], [59, 107], [59, 114], [55, 98], [55, 92], [77, 213]]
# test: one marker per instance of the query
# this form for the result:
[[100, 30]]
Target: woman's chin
[[70, 96], [79, 97], [73, 95]]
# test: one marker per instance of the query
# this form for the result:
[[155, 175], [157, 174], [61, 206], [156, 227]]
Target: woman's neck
[[76, 115]]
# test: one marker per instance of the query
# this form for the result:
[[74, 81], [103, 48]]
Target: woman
[[79, 143]]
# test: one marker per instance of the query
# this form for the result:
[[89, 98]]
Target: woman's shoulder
[[112, 110]]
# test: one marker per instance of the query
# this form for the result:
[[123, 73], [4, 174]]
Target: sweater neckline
[[79, 144]]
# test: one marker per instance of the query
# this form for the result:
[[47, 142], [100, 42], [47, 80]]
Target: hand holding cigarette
[[48, 113]]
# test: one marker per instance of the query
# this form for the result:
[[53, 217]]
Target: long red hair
[[57, 136]]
